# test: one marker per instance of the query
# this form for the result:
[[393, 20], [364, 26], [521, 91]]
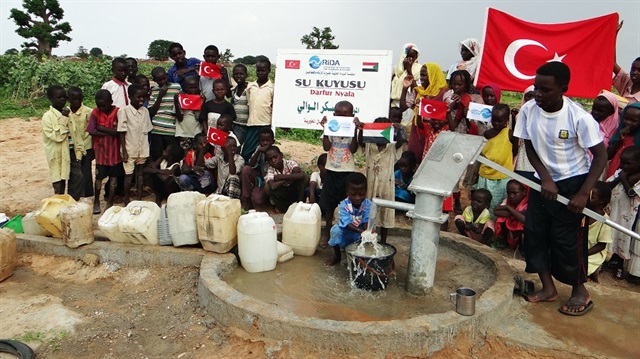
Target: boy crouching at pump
[[353, 216]]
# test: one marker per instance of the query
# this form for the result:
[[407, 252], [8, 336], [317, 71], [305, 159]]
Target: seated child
[[163, 172], [195, 176], [102, 126], [252, 180], [500, 149], [285, 181], [228, 164], [599, 233], [314, 191], [404, 176], [475, 221], [353, 216], [510, 215], [187, 124]]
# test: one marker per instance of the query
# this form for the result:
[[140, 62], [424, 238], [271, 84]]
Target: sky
[[261, 27]]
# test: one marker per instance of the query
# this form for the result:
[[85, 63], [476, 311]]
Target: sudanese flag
[[514, 49]]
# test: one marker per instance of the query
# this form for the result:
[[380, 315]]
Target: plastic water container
[[77, 225], [284, 252], [30, 226], [8, 254], [48, 215], [109, 224], [164, 237], [217, 218], [301, 228], [181, 210], [139, 222], [257, 242]]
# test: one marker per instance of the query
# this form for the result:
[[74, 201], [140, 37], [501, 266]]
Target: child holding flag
[[162, 112], [381, 157], [228, 165], [213, 109], [211, 56], [187, 104], [195, 176]]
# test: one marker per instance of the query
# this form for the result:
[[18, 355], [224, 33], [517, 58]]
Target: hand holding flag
[[216, 136], [210, 70], [190, 102], [432, 109], [380, 133]]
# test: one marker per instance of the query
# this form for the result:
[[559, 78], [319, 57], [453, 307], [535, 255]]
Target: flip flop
[[587, 308]]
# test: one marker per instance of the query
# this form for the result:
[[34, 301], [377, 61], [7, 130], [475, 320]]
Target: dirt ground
[[66, 308]]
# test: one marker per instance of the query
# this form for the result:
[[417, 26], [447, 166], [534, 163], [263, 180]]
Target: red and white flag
[[210, 70], [190, 102], [436, 110], [514, 49], [292, 64], [216, 137]]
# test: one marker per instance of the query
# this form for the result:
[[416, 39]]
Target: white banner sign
[[310, 82]]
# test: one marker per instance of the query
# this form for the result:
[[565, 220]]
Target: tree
[[11, 51], [226, 56], [82, 52], [159, 50], [41, 25], [96, 52], [247, 60], [317, 39]]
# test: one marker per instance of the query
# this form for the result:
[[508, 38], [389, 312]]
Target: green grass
[[300, 135], [52, 339], [23, 108]]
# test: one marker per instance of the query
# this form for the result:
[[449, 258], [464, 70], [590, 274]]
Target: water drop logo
[[485, 113], [333, 125], [315, 62]]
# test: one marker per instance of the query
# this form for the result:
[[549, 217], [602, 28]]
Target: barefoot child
[[187, 124], [314, 191], [340, 163], [558, 135], [511, 214], [79, 117], [353, 216], [195, 176], [285, 181], [103, 127], [163, 172], [380, 182], [252, 180], [55, 133], [475, 221], [624, 206], [134, 126], [500, 149], [404, 176], [162, 112], [599, 233], [239, 101], [260, 102]]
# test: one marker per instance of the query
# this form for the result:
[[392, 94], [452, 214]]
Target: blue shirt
[[356, 216], [402, 193], [171, 73]]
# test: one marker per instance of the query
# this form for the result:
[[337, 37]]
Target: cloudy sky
[[261, 27]]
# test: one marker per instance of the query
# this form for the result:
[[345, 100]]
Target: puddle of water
[[307, 288]]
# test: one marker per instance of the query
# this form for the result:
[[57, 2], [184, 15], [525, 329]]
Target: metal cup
[[465, 301]]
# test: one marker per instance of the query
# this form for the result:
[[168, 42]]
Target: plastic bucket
[[370, 272]]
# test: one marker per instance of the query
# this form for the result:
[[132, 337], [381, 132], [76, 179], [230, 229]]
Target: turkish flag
[[216, 137], [514, 49], [436, 110], [292, 64], [190, 102], [210, 70]]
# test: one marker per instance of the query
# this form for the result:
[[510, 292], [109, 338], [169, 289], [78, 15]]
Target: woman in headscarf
[[470, 53], [432, 86], [408, 65], [605, 111]]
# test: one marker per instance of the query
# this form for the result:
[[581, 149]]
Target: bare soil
[[73, 309]]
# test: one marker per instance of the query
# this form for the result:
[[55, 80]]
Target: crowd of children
[[141, 134]]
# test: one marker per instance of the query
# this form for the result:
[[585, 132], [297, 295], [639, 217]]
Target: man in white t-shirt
[[558, 135]]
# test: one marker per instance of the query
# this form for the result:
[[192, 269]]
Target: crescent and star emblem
[[512, 50], [427, 108], [186, 102], [207, 70]]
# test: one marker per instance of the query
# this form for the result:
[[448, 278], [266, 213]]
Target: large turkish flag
[[513, 50]]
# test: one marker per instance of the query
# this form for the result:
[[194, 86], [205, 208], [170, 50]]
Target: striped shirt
[[106, 148], [561, 139], [241, 105], [164, 122]]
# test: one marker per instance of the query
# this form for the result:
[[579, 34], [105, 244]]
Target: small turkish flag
[[216, 137], [436, 110], [190, 102], [210, 70], [514, 49], [292, 64]]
